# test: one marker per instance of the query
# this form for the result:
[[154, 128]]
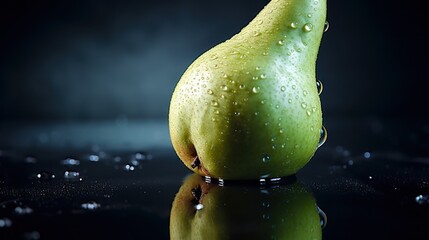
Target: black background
[[92, 60]]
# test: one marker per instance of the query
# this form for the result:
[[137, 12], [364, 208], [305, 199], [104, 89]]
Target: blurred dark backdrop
[[91, 59]]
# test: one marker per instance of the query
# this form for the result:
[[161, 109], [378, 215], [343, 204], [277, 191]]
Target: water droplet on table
[[23, 210], [32, 235], [70, 162], [366, 155], [129, 167], [72, 175], [422, 199], [45, 176], [5, 222], [90, 205], [94, 158], [30, 159]]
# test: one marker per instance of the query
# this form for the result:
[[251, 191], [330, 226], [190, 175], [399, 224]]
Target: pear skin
[[249, 107]]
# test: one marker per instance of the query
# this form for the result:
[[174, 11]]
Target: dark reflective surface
[[114, 180], [243, 210]]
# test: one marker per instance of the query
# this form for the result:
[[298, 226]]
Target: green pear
[[250, 107], [208, 211]]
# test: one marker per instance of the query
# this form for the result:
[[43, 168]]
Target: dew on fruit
[[326, 27], [210, 92], [263, 76], [281, 42], [90, 205], [323, 217], [214, 103], [319, 87], [70, 162], [242, 86], [258, 68], [45, 176], [224, 88], [308, 27], [265, 158], [293, 25], [289, 100], [255, 90], [422, 199], [304, 105], [308, 113], [323, 136], [283, 88]]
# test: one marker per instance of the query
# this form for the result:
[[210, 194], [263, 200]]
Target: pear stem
[[196, 162]]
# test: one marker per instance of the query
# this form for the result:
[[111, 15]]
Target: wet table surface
[[118, 180]]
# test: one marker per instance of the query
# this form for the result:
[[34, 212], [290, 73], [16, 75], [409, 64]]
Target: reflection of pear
[[249, 107], [207, 211]]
